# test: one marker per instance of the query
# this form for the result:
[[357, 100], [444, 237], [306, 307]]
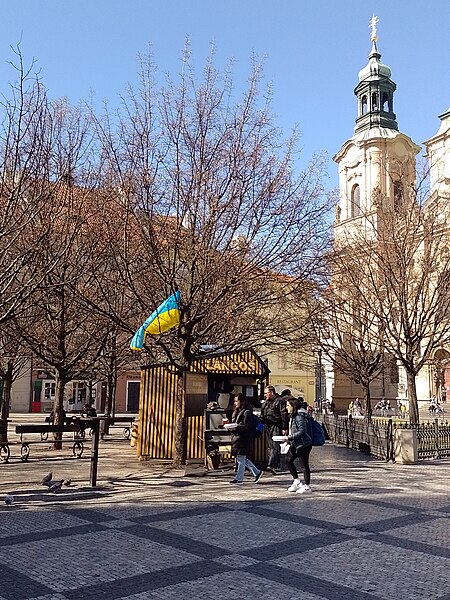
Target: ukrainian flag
[[166, 316]]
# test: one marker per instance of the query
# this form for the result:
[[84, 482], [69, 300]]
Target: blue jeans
[[244, 463]]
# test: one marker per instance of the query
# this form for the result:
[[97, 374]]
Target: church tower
[[438, 154], [377, 165]]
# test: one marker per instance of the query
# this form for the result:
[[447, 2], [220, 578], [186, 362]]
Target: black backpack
[[316, 432]]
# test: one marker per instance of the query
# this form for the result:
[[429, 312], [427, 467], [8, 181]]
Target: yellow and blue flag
[[166, 316]]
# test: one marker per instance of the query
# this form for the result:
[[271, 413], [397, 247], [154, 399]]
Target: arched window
[[398, 195], [355, 203], [374, 101], [363, 105], [393, 371], [385, 103]]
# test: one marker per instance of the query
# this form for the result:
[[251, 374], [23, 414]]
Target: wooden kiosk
[[211, 377]]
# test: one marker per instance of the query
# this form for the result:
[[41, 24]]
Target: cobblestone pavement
[[369, 530]]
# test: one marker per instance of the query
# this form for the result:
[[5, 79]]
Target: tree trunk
[[367, 401], [110, 405], [179, 453], [58, 414], [111, 390], [6, 397], [412, 396]]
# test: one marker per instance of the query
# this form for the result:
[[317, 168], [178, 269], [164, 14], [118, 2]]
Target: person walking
[[301, 444], [242, 440], [275, 418]]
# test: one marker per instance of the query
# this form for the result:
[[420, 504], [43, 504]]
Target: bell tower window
[[355, 201], [363, 105], [374, 101], [385, 103]]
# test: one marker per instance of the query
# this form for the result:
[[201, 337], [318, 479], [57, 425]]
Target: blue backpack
[[257, 427], [316, 432]]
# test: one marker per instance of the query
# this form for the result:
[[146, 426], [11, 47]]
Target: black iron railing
[[376, 437]]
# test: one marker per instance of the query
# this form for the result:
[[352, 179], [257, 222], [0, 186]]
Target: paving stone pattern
[[369, 530]]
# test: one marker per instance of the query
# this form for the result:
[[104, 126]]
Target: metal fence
[[433, 440], [376, 437]]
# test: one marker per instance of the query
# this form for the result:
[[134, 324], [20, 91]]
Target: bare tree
[[208, 189], [23, 189], [349, 335], [13, 362], [57, 328]]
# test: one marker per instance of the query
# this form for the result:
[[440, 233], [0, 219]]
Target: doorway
[[133, 390]]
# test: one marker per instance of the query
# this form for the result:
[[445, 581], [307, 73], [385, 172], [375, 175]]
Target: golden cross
[[373, 25]]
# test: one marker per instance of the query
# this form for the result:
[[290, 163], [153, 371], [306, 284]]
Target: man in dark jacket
[[275, 417]]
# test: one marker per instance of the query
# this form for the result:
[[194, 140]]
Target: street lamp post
[[319, 399]]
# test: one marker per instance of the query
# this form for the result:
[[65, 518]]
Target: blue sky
[[313, 49]]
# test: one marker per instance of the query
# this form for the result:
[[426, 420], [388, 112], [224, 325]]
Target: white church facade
[[379, 161]]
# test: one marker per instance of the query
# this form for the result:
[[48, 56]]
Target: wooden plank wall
[[260, 449], [157, 413], [195, 442]]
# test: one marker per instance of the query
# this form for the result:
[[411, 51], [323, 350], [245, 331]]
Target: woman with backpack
[[300, 438], [242, 440]]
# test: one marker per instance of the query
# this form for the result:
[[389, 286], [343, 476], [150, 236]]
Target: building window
[[282, 361], [398, 195], [49, 390], [363, 105], [374, 101], [393, 372], [355, 206], [385, 103]]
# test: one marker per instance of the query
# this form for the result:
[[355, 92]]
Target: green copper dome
[[375, 68]]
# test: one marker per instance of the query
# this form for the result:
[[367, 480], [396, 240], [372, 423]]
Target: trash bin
[[104, 427]]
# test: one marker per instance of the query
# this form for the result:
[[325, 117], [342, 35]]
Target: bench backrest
[[47, 428]]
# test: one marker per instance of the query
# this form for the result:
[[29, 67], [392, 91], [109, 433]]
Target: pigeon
[[67, 482], [56, 486], [9, 500], [47, 478]]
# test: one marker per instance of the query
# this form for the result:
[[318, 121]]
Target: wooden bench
[[119, 422], [44, 430]]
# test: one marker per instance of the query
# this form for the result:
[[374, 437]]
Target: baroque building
[[377, 168]]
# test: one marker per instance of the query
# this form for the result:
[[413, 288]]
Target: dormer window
[[355, 201]]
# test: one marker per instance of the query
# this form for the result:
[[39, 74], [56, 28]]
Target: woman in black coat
[[242, 440], [300, 439]]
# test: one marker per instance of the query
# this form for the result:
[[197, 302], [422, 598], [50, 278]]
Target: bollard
[[405, 446], [94, 451]]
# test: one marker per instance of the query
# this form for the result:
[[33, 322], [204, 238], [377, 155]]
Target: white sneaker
[[304, 489], [294, 487]]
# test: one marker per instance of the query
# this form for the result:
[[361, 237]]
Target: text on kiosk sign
[[227, 364]]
